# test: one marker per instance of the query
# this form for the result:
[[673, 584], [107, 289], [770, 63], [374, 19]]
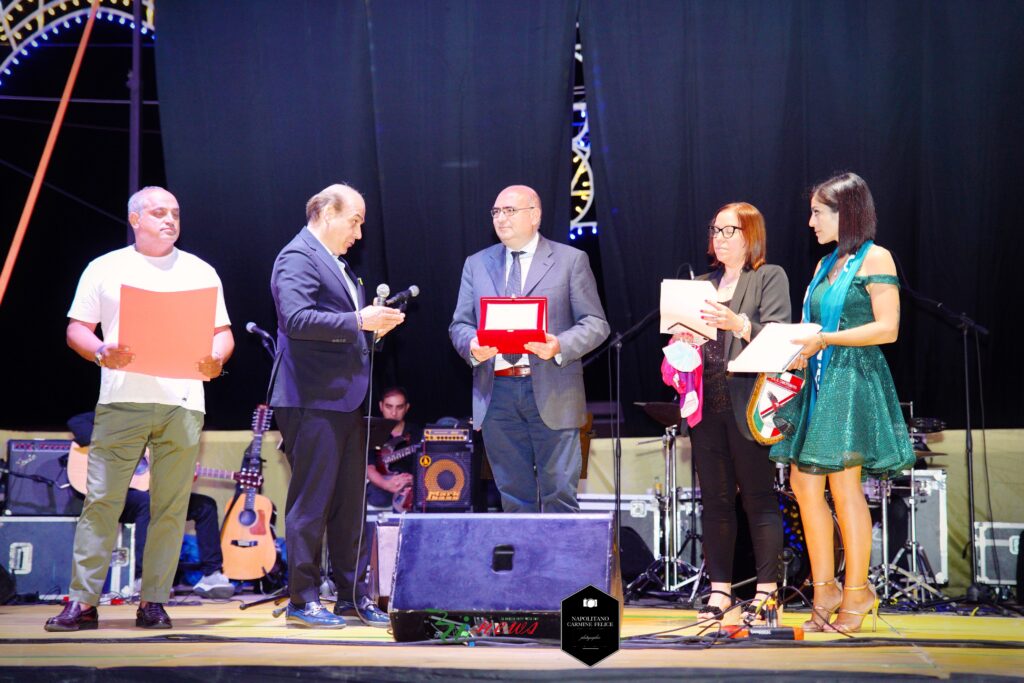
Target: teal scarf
[[831, 309]]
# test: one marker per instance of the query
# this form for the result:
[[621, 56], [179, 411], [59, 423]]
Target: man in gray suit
[[530, 407], [318, 384]]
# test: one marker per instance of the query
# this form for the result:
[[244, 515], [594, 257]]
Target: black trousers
[[326, 452], [725, 459], [201, 509]]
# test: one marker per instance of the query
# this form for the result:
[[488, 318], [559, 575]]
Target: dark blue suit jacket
[[322, 356]]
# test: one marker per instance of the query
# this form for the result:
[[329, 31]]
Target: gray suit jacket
[[322, 355], [762, 294], [562, 274]]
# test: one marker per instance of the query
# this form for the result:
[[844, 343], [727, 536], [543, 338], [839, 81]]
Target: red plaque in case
[[525, 320]]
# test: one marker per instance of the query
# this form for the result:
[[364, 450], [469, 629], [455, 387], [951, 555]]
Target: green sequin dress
[[857, 418]]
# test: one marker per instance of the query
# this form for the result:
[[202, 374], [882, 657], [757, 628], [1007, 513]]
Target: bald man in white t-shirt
[[137, 410]]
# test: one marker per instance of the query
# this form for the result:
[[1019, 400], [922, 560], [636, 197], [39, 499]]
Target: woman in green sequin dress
[[847, 420]]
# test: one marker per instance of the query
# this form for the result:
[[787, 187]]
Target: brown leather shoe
[[76, 616], [152, 615]]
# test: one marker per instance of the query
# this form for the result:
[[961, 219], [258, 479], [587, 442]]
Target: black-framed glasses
[[508, 211], [726, 231]]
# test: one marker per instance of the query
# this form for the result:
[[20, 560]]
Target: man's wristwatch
[[98, 356]]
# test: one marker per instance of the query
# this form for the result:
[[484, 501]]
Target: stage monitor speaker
[[37, 484], [497, 574], [445, 472]]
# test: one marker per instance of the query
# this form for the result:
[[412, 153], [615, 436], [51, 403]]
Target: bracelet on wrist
[[744, 328], [359, 320], [821, 338]]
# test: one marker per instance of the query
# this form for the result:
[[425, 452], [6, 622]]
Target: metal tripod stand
[[895, 581], [678, 580]]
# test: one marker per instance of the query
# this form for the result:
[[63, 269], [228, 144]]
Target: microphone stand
[[976, 593], [616, 344]]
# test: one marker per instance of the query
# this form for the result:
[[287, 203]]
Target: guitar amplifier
[[37, 481], [37, 552], [445, 472]]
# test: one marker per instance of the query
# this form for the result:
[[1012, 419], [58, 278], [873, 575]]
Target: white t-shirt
[[98, 300]]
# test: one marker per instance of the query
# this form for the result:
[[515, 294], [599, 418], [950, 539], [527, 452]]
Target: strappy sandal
[[873, 611], [821, 614], [714, 612], [754, 611]]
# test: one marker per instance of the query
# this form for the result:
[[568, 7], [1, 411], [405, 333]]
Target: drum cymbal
[[665, 414], [926, 425]]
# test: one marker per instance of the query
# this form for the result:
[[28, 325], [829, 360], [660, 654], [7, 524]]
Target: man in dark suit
[[530, 407], [319, 381]]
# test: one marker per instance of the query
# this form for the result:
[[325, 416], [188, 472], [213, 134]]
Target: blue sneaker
[[314, 615], [367, 613]]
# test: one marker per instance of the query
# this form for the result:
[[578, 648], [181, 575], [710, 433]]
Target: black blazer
[[762, 294], [322, 356]]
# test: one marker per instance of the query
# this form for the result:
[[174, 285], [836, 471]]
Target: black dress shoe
[[368, 613], [76, 616], [152, 615]]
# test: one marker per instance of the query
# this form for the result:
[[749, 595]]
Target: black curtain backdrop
[[430, 108], [696, 104]]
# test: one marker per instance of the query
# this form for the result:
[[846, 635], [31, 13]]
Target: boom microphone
[[253, 328], [403, 296]]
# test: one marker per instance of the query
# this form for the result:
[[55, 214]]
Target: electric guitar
[[247, 536], [78, 470], [390, 453]]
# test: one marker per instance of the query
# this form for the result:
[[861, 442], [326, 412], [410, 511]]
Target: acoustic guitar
[[390, 453], [247, 537], [78, 471]]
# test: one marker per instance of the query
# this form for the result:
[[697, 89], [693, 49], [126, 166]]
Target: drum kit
[[678, 574]]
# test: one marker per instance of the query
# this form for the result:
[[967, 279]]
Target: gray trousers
[[121, 433]]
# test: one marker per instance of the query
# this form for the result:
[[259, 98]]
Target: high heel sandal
[[754, 611], [873, 611], [714, 612], [822, 612]]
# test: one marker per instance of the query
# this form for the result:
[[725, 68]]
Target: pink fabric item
[[685, 382]]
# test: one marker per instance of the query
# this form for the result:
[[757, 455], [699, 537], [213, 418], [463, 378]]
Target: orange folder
[[169, 332]]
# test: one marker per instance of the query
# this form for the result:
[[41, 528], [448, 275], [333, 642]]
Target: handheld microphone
[[402, 297], [253, 328], [382, 294]]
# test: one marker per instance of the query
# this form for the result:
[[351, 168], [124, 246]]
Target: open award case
[[509, 322]]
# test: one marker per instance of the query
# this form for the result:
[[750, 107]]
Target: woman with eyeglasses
[[751, 293], [847, 420]]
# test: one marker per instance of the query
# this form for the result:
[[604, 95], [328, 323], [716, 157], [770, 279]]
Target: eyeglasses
[[509, 211], [726, 231]]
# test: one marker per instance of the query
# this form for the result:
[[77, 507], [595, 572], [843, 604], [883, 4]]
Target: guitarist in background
[[201, 509], [382, 487], [318, 385]]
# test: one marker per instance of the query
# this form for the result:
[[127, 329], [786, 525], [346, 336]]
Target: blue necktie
[[514, 287]]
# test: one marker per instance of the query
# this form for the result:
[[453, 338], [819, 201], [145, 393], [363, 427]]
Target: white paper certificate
[[772, 350], [681, 304]]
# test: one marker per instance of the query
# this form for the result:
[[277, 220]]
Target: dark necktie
[[514, 287]]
